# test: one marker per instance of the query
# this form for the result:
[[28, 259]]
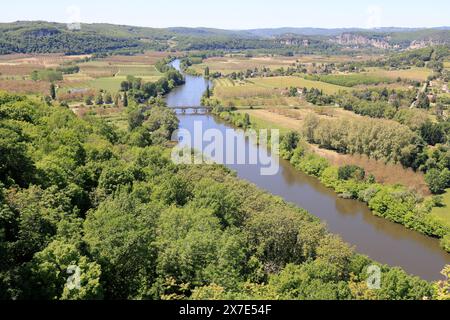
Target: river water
[[381, 240]]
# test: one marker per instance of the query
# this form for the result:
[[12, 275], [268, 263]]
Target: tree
[[116, 100], [53, 91], [442, 288], [88, 101], [206, 72], [120, 235], [125, 99], [99, 99], [423, 102], [438, 180], [108, 98], [56, 266], [16, 165]]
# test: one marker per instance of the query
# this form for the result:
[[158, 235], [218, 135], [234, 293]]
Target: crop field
[[104, 74], [418, 74], [353, 80], [235, 63], [24, 86], [266, 91], [228, 65], [287, 82]]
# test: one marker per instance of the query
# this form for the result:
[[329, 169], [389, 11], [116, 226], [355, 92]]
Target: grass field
[[443, 213], [235, 63], [104, 74], [228, 65], [287, 82], [352, 80], [418, 74], [267, 91]]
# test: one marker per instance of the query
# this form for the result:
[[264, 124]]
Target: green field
[[443, 213], [352, 80], [418, 74], [287, 82]]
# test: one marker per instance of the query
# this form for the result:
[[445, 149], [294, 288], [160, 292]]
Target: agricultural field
[[415, 74], [236, 63], [103, 74], [230, 64], [271, 91]]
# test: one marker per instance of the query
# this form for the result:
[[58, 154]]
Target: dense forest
[[180, 232]]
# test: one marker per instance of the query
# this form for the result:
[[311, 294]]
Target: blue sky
[[235, 14]]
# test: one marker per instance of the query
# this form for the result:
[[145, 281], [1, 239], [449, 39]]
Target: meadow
[[100, 74], [443, 212], [414, 73], [236, 63]]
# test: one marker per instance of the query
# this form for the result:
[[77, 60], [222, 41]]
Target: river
[[378, 238]]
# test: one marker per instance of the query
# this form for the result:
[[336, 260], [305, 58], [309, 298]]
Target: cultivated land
[[418, 74], [99, 74], [236, 63], [270, 91]]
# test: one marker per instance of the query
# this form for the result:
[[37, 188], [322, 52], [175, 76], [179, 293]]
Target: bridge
[[192, 109]]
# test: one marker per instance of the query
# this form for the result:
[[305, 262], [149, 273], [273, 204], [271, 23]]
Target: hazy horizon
[[240, 29]]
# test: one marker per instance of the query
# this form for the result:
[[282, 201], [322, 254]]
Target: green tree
[[120, 235], [99, 99], [53, 91], [125, 99], [108, 98]]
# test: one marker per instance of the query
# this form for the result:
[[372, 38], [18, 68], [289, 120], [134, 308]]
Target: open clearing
[[272, 91], [418, 74], [443, 213]]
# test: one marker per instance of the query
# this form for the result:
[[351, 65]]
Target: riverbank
[[392, 202]]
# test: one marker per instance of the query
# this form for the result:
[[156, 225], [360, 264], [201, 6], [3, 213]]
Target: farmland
[[417, 74], [94, 75], [236, 63], [267, 91]]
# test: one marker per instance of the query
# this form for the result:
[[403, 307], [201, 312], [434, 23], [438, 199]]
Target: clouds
[[374, 19]]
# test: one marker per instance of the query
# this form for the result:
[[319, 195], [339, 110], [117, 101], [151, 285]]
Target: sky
[[235, 14]]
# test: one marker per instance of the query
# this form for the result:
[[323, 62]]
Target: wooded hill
[[47, 37]]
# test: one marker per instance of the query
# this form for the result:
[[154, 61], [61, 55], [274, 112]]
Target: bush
[[351, 172], [438, 180]]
